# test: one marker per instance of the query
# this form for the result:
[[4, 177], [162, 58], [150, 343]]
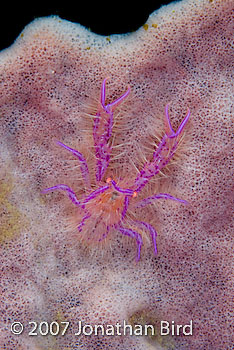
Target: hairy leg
[[150, 199], [105, 234], [152, 232], [169, 130], [81, 224], [133, 234], [163, 154], [70, 192], [83, 164], [102, 130]]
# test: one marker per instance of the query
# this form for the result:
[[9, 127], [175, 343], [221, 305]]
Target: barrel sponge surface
[[50, 80]]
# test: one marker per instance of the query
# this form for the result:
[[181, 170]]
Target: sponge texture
[[50, 79]]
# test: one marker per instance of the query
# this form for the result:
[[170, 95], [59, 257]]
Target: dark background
[[99, 16]]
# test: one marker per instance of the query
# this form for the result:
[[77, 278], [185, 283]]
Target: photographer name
[[166, 328]]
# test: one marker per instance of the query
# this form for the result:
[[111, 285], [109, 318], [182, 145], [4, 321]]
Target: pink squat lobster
[[106, 208]]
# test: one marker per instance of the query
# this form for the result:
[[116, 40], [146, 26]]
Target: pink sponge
[[49, 91]]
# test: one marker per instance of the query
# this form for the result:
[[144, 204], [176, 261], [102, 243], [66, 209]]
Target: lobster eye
[[115, 194]]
